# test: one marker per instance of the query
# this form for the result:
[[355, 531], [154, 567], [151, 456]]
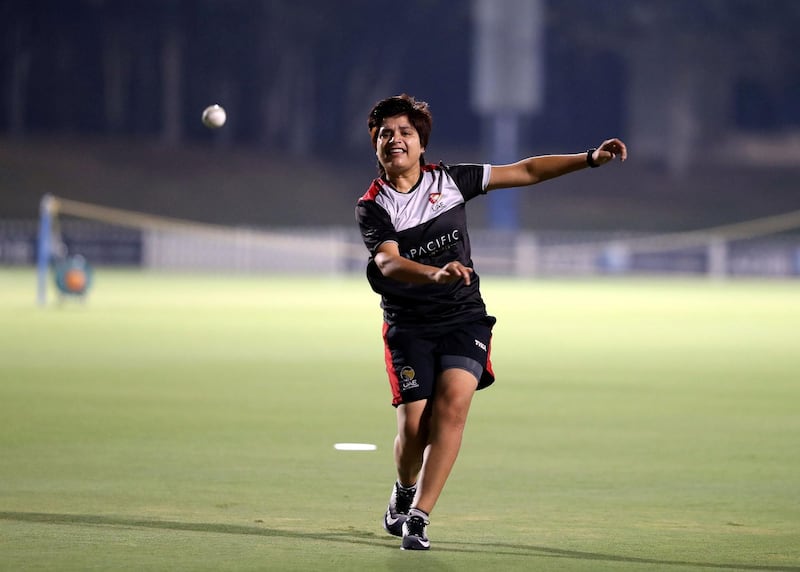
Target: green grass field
[[188, 423]]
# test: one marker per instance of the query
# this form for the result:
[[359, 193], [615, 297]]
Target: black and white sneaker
[[397, 512], [414, 537]]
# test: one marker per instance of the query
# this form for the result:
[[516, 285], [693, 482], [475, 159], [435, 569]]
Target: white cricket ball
[[214, 116]]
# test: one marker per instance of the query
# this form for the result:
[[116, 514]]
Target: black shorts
[[416, 356]]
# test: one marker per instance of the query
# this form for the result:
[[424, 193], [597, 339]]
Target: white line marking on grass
[[355, 447]]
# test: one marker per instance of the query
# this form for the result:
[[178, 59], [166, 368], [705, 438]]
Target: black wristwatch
[[590, 159]]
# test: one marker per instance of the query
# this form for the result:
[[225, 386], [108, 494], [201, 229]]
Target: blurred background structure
[[101, 103]]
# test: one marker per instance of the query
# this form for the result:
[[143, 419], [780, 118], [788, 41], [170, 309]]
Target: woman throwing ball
[[436, 330]]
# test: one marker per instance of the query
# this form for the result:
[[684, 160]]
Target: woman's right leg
[[413, 423], [409, 448]]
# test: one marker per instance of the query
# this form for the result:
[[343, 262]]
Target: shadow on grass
[[367, 538]]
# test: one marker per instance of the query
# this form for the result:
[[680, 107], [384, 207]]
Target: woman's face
[[398, 146]]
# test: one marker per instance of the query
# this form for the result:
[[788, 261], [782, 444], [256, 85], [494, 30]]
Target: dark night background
[[101, 101]]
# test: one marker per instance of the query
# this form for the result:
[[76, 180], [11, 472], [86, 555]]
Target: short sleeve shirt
[[429, 225]]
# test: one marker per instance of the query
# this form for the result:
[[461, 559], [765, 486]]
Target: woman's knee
[[454, 397], [412, 421]]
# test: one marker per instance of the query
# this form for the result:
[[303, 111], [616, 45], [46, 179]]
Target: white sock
[[406, 489]]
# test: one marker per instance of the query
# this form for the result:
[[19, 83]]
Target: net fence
[[165, 243], [768, 246]]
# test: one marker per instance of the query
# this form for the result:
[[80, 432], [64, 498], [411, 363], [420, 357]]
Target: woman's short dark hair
[[417, 111]]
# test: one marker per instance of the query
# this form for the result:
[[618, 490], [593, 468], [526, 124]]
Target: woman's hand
[[609, 150], [451, 272]]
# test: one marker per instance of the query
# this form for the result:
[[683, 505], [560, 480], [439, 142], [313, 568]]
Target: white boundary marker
[[354, 446]]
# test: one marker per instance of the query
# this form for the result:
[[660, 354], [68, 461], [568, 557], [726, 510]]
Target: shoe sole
[[411, 542], [418, 546]]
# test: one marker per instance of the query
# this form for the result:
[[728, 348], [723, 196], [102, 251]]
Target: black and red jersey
[[429, 224]]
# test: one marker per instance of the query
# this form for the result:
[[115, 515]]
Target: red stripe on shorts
[[489, 369], [394, 381]]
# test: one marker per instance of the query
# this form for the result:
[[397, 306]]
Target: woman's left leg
[[449, 408]]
